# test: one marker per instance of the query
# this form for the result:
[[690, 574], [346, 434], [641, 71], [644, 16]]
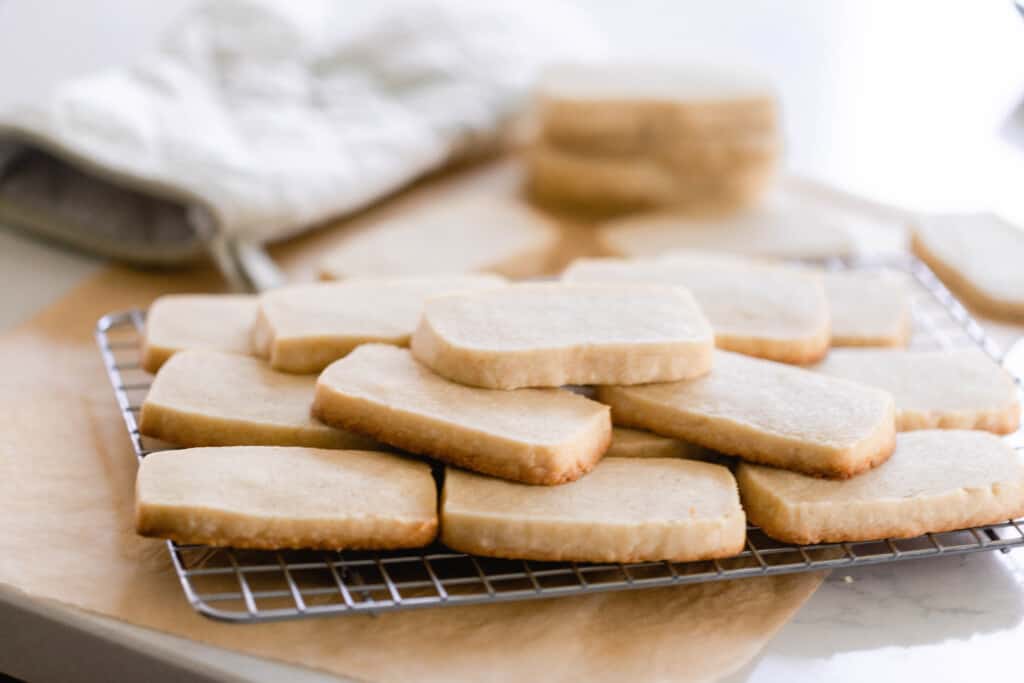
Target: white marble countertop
[[915, 103], [945, 619]]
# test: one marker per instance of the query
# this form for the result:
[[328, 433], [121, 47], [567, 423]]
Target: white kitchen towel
[[257, 119]]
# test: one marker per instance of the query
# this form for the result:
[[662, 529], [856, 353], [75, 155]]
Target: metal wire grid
[[256, 586]]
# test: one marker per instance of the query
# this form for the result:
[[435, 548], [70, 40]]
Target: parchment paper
[[66, 489]]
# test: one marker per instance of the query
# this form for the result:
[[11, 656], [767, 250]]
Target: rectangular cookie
[[935, 481], [626, 510], [638, 443], [978, 257], [269, 497], [639, 109], [868, 309], [304, 328], [553, 334], [777, 227], [962, 389], [537, 436], [769, 413], [470, 233], [678, 175], [217, 322], [208, 398], [760, 309]]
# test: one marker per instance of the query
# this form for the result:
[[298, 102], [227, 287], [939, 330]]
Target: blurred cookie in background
[[617, 138], [783, 225]]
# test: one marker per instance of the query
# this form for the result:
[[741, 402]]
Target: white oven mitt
[[256, 120]]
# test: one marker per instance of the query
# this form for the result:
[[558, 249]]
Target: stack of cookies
[[320, 431], [620, 138]]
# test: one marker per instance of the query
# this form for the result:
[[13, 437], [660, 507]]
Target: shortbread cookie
[[632, 108], [722, 155], [962, 389], [553, 334], [616, 130], [978, 256], [770, 311], [474, 233], [637, 443], [207, 398], [626, 510], [935, 481], [174, 322], [304, 328], [272, 497], [777, 229], [767, 412], [538, 436], [868, 309], [599, 184]]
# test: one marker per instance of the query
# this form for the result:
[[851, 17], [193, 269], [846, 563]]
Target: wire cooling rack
[[254, 586]]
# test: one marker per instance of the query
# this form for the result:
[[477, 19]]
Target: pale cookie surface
[[207, 398], [764, 310], [767, 412], [538, 436], [777, 229], [553, 334], [626, 510], [499, 235], [868, 309], [978, 256], [272, 497], [963, 389], [175, 322], [632, 108], [638, 443], [653, 83], [935, 481], [304, 328]]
